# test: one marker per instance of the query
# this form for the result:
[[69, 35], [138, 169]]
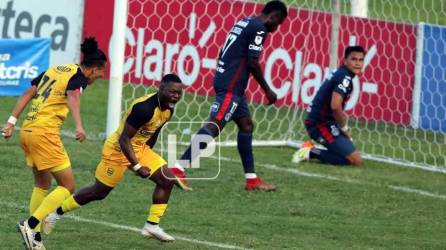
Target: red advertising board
[[185, 36]]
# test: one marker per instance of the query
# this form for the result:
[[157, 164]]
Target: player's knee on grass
[[355, 159]]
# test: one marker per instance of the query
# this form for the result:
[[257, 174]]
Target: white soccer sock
[[177, 165], [250, 175]]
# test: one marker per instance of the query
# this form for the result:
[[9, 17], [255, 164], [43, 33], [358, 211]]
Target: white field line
[[334, 178], [392, 162], [321, 176], [128, 228]]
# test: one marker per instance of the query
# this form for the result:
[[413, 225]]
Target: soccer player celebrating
[[130, 147], [326, 121], [238, 58], [53, 94]]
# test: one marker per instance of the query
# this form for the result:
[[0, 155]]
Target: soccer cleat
[[157, 232], [256, 184], [181, 180], [27, 234], [37, 245], [303, 153], [50, 222]]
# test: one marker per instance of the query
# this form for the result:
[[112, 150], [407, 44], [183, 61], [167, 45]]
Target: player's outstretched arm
[[24, 99], [256, 71], [124, 142]]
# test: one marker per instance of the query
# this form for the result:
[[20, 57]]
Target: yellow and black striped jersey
[[49, 106], [146, 116]]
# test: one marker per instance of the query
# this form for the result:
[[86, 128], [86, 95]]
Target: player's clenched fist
[[143, 172], [7, 130]]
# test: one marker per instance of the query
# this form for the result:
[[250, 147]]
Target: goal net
[[397, 110]]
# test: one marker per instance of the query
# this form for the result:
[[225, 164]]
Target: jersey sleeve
[[342, 85], [256, 39], [77, 81], [140, 115], [36, 81]]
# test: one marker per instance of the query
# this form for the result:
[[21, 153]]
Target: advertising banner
[[61, 21], [185, 38], [433, 79], [21, 60]]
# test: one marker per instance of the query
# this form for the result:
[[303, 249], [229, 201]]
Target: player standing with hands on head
[[52, 94], [326, 122], [238, 59]]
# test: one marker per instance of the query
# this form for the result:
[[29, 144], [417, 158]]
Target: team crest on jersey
[[334, 130], [110, 171], [63, 68], [346, 82], [214, 107], [258, 40], [340, 86]]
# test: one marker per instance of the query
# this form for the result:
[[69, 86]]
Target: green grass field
[[378, 206], [409, 11]]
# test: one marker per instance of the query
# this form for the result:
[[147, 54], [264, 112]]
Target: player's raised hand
[[80, 134], [7, 130], [272, 97], [143, 172]]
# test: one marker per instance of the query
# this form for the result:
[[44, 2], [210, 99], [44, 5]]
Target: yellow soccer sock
[[156, 212], [70, 204], [37, 197], [51, 202]]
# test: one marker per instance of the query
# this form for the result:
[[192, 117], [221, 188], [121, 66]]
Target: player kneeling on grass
[[130, 147], [326, 121]]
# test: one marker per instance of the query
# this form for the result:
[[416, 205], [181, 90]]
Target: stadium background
[[378, 206]]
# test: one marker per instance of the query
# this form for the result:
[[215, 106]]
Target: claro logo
[[23, 24]]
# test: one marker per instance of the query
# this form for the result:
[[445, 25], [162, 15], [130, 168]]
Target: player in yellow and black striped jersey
[[130, 147], [52, 94]]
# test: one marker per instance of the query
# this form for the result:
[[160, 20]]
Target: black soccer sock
[[59, 211], [37, 236], [244, 146], [33, 222], [328, 157]]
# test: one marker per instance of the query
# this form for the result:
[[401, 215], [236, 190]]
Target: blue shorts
[[228, 106], [331, 137]]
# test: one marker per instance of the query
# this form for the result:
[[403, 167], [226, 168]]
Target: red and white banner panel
[[185, 37]]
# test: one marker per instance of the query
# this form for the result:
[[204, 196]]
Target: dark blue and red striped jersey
[[244, 40], [341, 82]]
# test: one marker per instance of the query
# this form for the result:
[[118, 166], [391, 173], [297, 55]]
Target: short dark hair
[[93, 56], [170, 78], [275, 5], [351, 49]]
